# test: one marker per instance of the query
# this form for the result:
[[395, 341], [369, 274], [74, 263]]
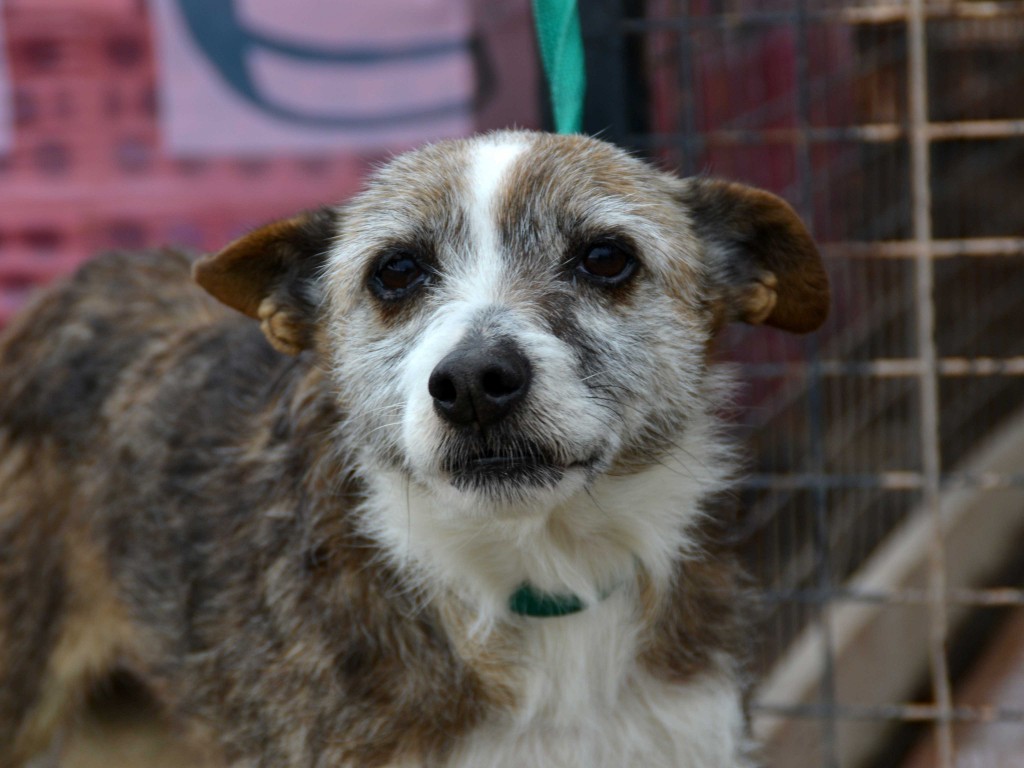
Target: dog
[[444, 504]]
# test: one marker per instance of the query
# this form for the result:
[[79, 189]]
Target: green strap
[[561, 51]]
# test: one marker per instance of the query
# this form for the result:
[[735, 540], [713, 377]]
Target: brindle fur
[[146, 424]]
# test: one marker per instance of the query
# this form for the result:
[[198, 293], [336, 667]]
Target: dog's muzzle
[[476, 389]]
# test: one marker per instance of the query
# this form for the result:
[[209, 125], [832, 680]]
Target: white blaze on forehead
[[488, 167], [472, 282]]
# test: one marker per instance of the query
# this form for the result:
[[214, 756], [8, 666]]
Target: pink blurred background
[[139, 123]]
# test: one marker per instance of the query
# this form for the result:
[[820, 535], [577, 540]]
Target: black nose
[[479, 382]]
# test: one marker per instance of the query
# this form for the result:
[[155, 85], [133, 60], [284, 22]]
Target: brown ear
[[762, 257], [270, 274]]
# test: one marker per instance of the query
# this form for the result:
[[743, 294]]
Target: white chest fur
[[582, 698], [585, 703]]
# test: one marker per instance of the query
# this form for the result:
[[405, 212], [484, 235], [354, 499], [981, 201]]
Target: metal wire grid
[[918, 385]]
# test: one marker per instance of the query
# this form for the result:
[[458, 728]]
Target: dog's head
[[509, 317]]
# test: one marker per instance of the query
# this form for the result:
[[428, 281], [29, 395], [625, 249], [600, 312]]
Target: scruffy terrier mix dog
[[459, 523]]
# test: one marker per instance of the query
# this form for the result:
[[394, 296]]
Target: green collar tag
[[529, 601]]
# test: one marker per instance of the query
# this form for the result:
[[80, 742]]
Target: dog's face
[[508, 317], [501, 312]]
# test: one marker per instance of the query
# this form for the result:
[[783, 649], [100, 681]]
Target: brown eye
[[398, 275], [606, 262]]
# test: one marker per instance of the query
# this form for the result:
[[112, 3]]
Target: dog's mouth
[[521, 468]]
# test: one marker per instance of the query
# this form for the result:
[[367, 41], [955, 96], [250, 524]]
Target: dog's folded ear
[[763, 259], [271, 273]]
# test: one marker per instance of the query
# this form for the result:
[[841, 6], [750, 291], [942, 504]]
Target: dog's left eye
[[606, 262], [397, 275]]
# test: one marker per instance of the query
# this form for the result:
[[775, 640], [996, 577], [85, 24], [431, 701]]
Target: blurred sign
[[262, 76]]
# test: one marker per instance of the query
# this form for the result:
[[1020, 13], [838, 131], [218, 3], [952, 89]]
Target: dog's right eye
[[606, 262], [397, 275]]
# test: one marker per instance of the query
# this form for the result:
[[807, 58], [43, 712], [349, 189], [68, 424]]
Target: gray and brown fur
[[180, 501], [141, 471]]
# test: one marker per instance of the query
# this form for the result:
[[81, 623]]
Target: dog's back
[[63, 366]]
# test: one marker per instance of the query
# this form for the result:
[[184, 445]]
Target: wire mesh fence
[[884, 510]]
